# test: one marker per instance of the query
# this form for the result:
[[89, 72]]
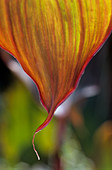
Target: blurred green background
[[79, 137]]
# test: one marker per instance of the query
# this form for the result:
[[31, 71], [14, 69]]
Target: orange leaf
[[54, 40]]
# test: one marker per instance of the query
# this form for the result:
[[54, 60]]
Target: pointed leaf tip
[[43, 125], [34, 147]]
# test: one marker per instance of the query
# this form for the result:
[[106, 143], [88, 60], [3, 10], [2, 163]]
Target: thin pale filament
[[42, 126]]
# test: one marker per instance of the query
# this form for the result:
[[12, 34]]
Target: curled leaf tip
[[42, 126], [34, 147]]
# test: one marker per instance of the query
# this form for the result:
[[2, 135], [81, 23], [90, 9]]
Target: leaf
[[54, 40]]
